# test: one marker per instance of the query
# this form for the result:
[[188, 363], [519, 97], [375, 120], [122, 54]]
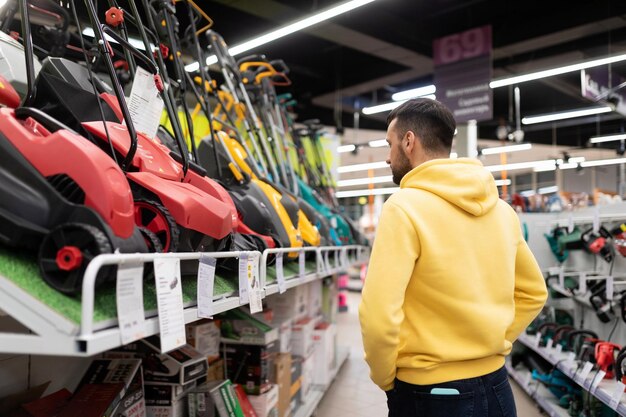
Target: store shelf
[[317, 391], [603, 392], [67, 326], [536, 391]]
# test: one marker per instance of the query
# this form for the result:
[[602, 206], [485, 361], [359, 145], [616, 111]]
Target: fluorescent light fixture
[[569, 114], [522, 165], [610, 138], [414, 92], [137, 43], [3, 2], [454, 155], [362, 167], [556, 71], [506, 149], [601, 162], [364, 181], [527, 193], [346, 148], [500, 183], [367, 192], [287, 30], [548, 190], [378, 143], [389, 106]]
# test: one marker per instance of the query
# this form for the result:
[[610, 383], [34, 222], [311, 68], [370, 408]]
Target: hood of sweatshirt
[[463, 182]]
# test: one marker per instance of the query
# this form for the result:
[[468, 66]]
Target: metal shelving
[[54, 334]]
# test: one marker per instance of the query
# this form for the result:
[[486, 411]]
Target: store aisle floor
[[353, 394]]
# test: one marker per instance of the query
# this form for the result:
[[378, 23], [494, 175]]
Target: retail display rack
[[603, 389], [62, 325]]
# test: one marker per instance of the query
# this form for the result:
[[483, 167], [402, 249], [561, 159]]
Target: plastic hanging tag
[[254, 286], [327, 266], [616, 395], [610, 288], [549, 343], [559, 349], [570, 223], [302, 264], [170, 303], [596, 219], [129, 298], [280, 273], [206, 282], [537, 340], [145, 104], [244, 269], [582, 376], [596, 381]]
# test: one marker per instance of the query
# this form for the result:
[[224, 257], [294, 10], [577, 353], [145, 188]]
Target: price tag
[[549, 343], [129, 298], [609, 287], [581, 377], [337, 265], [280, 273], [617, 395], [254, 286], [302, 265], [244, 269], [170, 303], [327, 261], [145, 104], [527, 379], [571, 357], [559, 349], [596, 381], [570, 222], [206, 282], [596, 219], [537, 340]]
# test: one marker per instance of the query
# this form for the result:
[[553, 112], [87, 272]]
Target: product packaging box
[[179, 366], [50, 405], [244, 402], [220, 396], [216, 371], [282, 379], [110, 387], [324, 339], [291, 304], [314, 298], [204, 336], [265, 405], [167, 400], [241, 327], [284, 334], [307, 375], [250, 365], [302, 337], [295, 392]]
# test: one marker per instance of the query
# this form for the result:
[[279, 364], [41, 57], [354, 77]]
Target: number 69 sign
[[465, 45]]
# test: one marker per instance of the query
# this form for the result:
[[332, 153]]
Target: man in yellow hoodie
[[451, 282]]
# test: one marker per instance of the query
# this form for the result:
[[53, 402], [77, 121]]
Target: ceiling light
[[359, 193], [500, 183], [137, 43], [378, 143], [556, 71], [506, 149], [287, 30], [548, 190], [346, 148], [601, 162], [364, 181], [522, 165], [362, 167], [610, 138], [527, 193], [569, 114], [389, 106], [414, 92], [2, 3]]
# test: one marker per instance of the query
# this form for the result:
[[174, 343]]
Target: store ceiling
[[364, 56]]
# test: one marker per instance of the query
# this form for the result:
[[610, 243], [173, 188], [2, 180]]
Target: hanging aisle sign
[[463, 71]]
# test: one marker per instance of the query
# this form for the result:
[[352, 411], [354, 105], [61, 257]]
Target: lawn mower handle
[[136, 53]]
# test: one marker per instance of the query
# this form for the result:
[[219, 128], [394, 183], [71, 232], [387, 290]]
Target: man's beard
[[400, 169]]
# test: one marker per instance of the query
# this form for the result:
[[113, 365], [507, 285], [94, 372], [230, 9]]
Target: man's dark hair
[[430, 120]]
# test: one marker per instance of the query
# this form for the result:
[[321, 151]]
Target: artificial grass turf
[[21, 268]]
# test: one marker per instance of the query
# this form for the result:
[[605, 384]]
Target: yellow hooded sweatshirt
[[451, 282]]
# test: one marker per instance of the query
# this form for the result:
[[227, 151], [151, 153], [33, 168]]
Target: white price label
[[170, 303], [254, 286], [129, 298], [206, 282], [596, 219], [610, 288], [280, 273], [527, 379], [596, 381], [327, 261], [302, 265], [616, 396], [571, 357], [244, 270], [559, 349], [537, 339], [549, 343], [581, 377], [145, 104]]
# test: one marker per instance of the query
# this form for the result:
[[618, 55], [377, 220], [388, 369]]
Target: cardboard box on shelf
[[314, 298], [265, 404], [179, 366], [250, 365], [302, 337], [295, 392], [284, 334], [167, 400], [220, 395], [244, 402], [324, 339], [282, 378], [307, 375], [109, 387], [50, 405], [291, 304], [216, 371], [241, 327], [204, 336]]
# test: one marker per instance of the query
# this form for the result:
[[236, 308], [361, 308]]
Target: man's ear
[[409, 141]]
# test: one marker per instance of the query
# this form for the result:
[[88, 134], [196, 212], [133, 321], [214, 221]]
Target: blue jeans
[[486, 396]]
